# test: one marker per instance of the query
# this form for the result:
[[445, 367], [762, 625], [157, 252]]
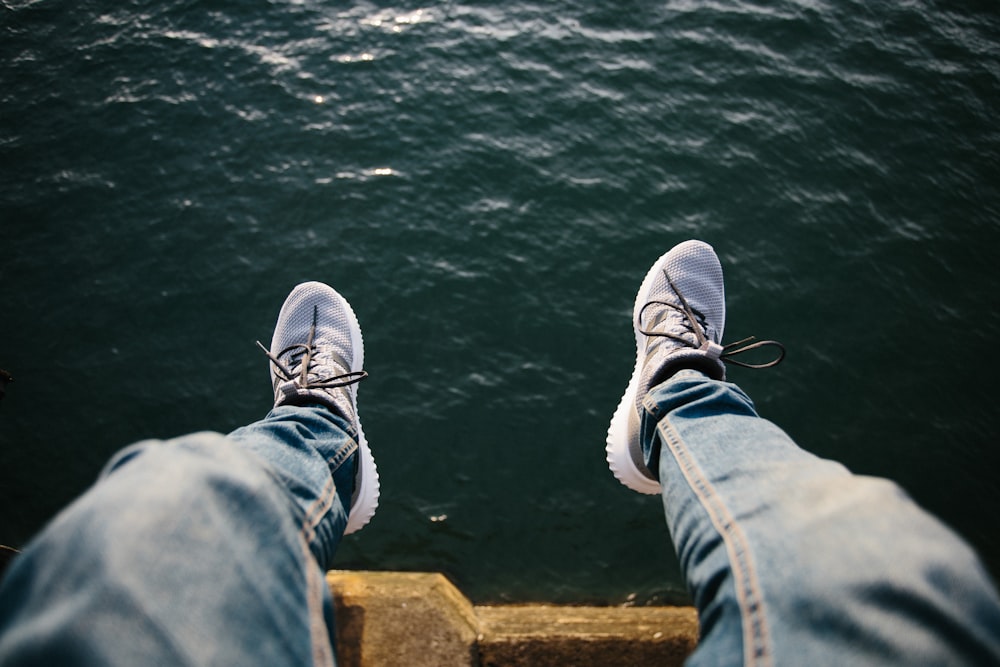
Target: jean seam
[[322, 651], [749, 594], [342, 454], [314, 514]]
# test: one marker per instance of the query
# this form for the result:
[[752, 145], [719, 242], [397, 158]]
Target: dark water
[[488, 185]]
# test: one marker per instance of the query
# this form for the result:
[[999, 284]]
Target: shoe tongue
[[662, 318], [325, 363], [707, 301]]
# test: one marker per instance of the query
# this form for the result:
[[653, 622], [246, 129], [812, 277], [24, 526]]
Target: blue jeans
[[211, 550], [203, 550], [792, 560]]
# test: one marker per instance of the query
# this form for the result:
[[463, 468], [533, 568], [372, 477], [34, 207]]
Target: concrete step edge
[[421, 618]]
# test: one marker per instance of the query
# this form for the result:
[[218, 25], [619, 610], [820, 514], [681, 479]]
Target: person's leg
[[194, 551], [791, 559], [210, 549]]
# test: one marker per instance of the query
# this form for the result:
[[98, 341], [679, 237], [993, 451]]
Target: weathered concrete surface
[[416, 619], [548, 636], [396, 618]]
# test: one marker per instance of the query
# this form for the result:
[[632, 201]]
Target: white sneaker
[[678, 319], [317, 356]]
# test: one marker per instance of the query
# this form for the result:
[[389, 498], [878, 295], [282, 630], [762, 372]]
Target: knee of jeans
[[864, 540], [204, 440], [172, 482]]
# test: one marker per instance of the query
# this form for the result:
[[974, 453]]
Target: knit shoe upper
[[684, 285], [317, 355], [678, 320]]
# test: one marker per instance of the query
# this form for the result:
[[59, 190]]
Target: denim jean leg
[[791, 559], [200, 550], [303, 445]]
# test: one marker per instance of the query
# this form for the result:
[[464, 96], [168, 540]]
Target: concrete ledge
[[417, 619], [544, 636], [396, 618]]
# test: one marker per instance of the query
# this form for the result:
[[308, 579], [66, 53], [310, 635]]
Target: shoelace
[[695, 323], [305, 365]]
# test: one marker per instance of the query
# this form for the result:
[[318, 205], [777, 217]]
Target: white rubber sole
[[623, 436], [366, 479]]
